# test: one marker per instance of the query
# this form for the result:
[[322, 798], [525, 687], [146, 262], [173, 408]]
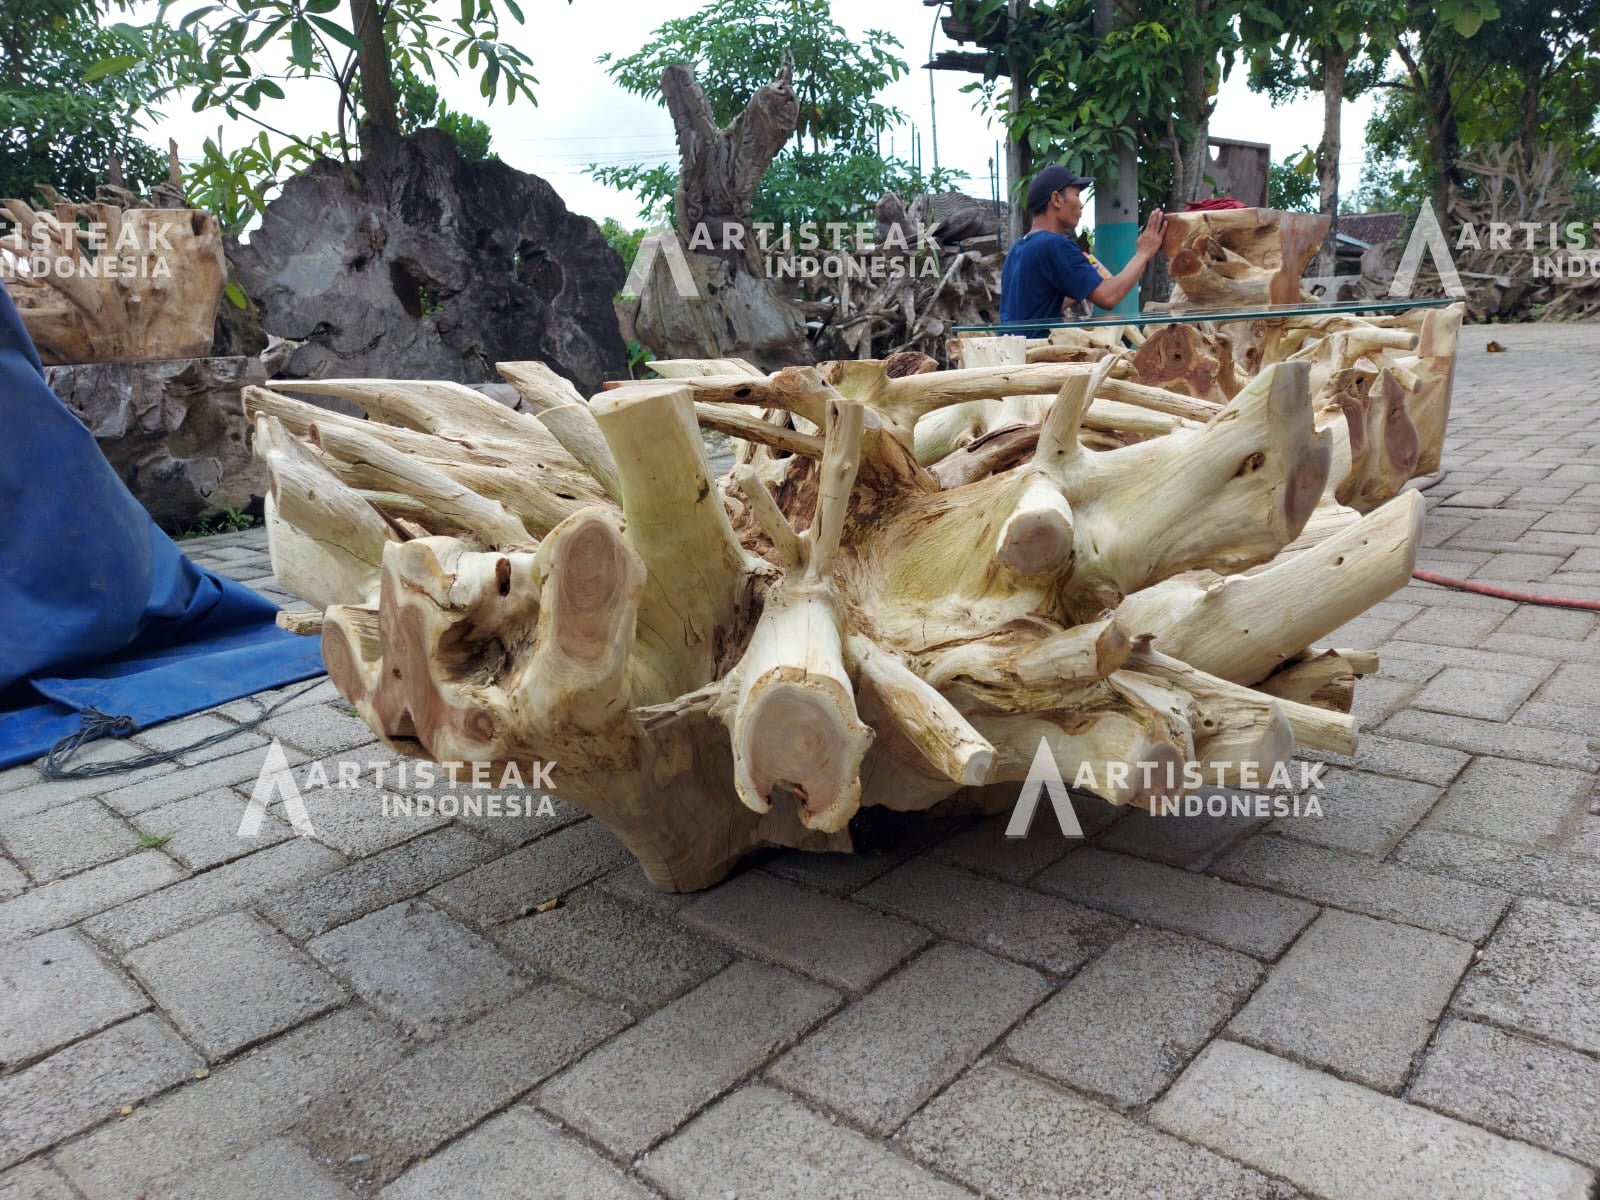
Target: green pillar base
[[1114, 246]]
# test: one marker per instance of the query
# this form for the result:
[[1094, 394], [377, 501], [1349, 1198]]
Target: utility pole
[[1116, 205]]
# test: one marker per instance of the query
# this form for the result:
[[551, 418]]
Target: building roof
[[1375, 229]]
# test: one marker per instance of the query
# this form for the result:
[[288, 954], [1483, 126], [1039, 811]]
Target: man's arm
[[1111, 291]]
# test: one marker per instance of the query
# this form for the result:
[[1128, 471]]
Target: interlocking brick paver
[[12, 880], [1548, 873], [1384, 890], [70, 900], [1489, 737], [1450, 626], [1346, 1142], [279, 1167], [987, 850], [1015, 1137], [834, 940], [1574, 683], [203, 831], [518, 1154], [174, 735], [372, 1132], [360, 821], [1401, 759], [233, 885], [613, 948], [34, 1180], [54, 989], [1248, 919], [512, 886], [1361, 812], [1123, 1027], [1475, 693], [322, 731], [375, 882], [1540, 973], [420, 967], [759, 1142], [1517, 802], [241, 1103], [1043, 931], [232, 981], [1524, 1089], [87, 1082], [1182, 841], [1357, 996], [883, 1056], [69, 838], [645, 1082], [242, 768]]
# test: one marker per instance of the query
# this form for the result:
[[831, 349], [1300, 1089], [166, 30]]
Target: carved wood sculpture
[[135, 284], [722, 664], [734, 304], [1240, 256]]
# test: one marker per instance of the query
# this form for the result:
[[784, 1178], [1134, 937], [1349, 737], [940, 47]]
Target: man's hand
[[1150, 237]]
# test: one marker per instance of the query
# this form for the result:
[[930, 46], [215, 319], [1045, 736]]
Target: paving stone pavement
[[1401, 998]]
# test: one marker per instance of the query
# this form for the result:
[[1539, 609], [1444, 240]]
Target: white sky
[[583, 117]]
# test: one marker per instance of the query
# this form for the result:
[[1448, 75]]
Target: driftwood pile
[[870, 609]]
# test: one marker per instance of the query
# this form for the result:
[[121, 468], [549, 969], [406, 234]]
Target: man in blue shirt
[[1045, 267]]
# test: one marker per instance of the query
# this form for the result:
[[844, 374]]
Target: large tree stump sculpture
[[722, 664], [1240, 256]]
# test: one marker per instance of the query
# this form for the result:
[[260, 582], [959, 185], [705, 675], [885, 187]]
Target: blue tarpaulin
[[98, 607]]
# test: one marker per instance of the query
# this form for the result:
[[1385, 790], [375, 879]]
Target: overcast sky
[[584, 117]]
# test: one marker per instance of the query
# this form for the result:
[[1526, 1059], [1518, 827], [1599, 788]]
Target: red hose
[[1489, 589]]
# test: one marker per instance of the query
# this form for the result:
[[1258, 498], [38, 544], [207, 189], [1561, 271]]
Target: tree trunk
[[718, 665], [1334, 61], [375, 68]]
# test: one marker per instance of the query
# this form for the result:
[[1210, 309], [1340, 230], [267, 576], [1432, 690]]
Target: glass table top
[[1249, 313]]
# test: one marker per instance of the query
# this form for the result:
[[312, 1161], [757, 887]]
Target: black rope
[[97, 725]]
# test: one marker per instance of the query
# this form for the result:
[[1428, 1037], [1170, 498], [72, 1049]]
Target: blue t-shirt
[[1040, 271]]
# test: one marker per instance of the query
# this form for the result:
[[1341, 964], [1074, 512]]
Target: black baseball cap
[[1052, 179]]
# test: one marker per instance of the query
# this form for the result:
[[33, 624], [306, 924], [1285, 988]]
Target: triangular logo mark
[[276, 777], [663, 244], [1426, 233], [1044, 776]]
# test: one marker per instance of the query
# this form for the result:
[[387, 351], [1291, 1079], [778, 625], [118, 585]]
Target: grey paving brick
[[1357, 996], [1451, 626], [1344, 1142], [1403, 760], [1044, 931], [241, 1103], [880, 1059], [534, 816], [1379, 697], [404, 1113], [203, 831], [34, 1181], [368, 884], [1361, 812], [12, 880], [649, 1079], [360, 821], [1548, 873], [322, 730], [1559, 649], [1539, 621], [276, 1168], [238, 884], [519, 1155], [552, 866], [1179, 840], [1014, 1137], [67, 839], [613, 948], [1240, 918], [424, 970], [629, 883], [984, 847], [1489, 661], [1489, 737], [1515, 567], [1540, 974], [87, 1082], [54, 989], [1526, 1090], [1091, 1037], [173, 735], [53, 792], [759, 1142], [232, 981], [1383, 890], [834, 940], [1515, 802], [70, 900], [194, 781], [1481, 694], [296, 695], [1573, 718], [1574, 683]]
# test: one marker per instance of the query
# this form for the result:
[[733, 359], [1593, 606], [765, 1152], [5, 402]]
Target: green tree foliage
[[61, 117], [1292, 183], [832, 171], [623, 240], [420, 107]]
